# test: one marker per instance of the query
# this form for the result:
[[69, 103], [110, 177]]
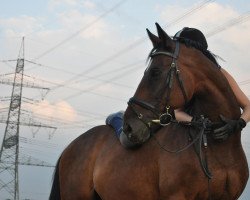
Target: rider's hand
[[201, 123], [229, 126]]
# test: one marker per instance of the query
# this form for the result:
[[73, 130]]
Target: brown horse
[[97, 166]]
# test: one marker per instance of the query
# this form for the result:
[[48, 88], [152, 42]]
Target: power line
[[62, 122], [82, 29], [128, 48], [80, 90], [238, 20], [189, 12], [82, 112], [133, 45], [94, 88], [79, 112], [89, 89], [37, 142], [244, 82], [124, 67], [170, 24], [233, 22], [101, 75]]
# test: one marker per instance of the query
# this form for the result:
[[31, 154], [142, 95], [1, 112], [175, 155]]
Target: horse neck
[[215, 97]]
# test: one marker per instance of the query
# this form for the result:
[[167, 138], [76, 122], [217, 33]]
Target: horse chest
[[188, 182]]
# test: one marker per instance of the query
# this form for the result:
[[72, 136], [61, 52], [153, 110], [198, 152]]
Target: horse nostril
[[127, 128]]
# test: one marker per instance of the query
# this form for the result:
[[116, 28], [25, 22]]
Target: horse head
[[175, 75], [162, 89]]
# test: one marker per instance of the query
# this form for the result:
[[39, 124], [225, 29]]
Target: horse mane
[[190, 107], [198, 46]]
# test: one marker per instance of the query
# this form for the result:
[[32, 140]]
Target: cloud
[[209, 15], [20, 26], [70, 20], [88, 4], [205, 18], [52, 4], [230, 44], [75, 20], [61, 111]]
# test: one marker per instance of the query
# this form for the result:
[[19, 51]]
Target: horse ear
[[162, 34], [154, 39]]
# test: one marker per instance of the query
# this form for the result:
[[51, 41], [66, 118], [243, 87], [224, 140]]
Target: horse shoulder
[[78, 160]]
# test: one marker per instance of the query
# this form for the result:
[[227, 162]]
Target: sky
[[92, 56]]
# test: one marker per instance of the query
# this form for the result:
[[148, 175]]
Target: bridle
[[165, 118]]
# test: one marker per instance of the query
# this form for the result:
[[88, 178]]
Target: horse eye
[[155, 73]]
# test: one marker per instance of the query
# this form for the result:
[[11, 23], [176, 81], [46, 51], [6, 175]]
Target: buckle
[[165, 119]]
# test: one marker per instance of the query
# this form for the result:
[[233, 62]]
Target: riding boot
[[116, 121]]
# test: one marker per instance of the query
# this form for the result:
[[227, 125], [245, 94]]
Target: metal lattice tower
[[10, 146], [9, 152]]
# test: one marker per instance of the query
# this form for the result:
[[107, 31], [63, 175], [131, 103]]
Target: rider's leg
[[116, 121]]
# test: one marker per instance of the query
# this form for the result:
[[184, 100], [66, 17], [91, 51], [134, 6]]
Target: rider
[[196, 38]]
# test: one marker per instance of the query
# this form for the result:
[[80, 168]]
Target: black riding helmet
[[192, 34], [195, 38]]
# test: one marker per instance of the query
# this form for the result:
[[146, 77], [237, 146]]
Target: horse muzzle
[[134, 133]]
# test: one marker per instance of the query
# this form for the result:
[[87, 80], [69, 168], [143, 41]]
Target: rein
[[201, 138]]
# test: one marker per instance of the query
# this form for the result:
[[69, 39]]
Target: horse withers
[[167, 165]]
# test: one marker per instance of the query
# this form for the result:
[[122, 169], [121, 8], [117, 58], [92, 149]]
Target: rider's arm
[[242, 99], [181, 115]]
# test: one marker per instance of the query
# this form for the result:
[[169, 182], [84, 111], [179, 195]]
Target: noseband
[[166, 117]]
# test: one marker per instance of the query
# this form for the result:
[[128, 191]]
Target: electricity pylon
[[9, 153]]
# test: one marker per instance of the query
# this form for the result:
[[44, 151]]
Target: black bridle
[[165, 118]]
